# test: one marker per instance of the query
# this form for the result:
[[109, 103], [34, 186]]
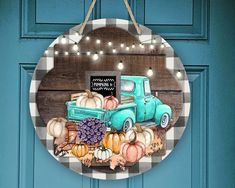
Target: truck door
[[148, 101]]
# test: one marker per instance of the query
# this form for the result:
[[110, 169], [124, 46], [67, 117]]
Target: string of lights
[[96, 55], [142, 45]]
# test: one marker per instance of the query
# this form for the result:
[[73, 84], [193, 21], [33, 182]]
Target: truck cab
[[148, 106]]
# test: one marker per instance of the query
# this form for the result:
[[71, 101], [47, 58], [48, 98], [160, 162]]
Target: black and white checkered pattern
[[173, 63]]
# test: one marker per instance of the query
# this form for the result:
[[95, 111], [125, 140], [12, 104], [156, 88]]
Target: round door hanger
[[109, 104]]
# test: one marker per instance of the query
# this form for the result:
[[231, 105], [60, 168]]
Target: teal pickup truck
[[143, 107]]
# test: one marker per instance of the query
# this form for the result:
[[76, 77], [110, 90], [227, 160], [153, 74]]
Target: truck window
[[147, 90], [127, 85]]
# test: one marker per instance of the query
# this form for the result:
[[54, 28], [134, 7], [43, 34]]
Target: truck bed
[[80, 113]]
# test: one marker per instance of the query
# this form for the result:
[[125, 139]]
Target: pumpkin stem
[[111, 96], [134, 139], [59, 119], [80, 143], [102, 147], [138, 128], [90, 95], [113, 129]]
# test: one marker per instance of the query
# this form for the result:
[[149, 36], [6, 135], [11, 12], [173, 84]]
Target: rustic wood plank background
[[68, 75]]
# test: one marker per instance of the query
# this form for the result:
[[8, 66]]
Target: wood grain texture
[[52, 103], [68, 75]]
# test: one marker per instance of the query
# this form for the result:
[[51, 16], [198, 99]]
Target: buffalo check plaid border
[[173, 63]]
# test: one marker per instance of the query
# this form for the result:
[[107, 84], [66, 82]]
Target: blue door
[[202, 34]]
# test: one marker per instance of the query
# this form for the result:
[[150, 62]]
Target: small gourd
[[56, 127], [102, 153], [80, 150], [144, 134], [132, 151], [110, 102], [113, 140], [90, 100]]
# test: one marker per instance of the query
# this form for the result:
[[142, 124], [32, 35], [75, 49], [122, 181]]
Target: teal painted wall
[[203, 35]]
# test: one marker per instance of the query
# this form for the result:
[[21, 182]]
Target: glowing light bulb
[[110, 43], [101, 52], [56, 52], [87, 38], [120, 65], [127, 48], [66, 53], [95, 57], [150, 72], [141, 45], [154, 41], [76, 33], [151, 46], [122, 45], [63, 40], [98, 41], [133, 45], [46, 52], [88, 53], [179, 74], [78, 53], [75, 47], [162, 46], [114, 51]]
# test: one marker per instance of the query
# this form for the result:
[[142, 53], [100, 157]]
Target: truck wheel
[[164, 120], [127, 124]]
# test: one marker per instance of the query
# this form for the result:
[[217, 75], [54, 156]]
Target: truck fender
[[119, 117], [160, 110]]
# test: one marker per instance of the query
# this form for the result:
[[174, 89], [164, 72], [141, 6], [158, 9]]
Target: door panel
[[156, 12], [47, 19], [54, 11], [204, 157]]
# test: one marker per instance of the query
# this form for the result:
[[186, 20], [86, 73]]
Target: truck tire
[[121, 118], [165, 119], [127, 124]]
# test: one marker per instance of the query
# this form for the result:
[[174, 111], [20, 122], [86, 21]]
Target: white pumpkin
[[144, 134], [56, 127], [102, 153], [90, 100]]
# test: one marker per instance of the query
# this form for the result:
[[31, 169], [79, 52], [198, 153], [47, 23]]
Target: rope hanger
[[91, 8]]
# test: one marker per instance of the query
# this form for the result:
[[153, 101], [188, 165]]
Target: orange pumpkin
[[113, 140], [80, 150], [133, 150], [110, 102]]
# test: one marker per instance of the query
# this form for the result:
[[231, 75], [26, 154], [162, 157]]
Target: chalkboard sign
[[104, 82]]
